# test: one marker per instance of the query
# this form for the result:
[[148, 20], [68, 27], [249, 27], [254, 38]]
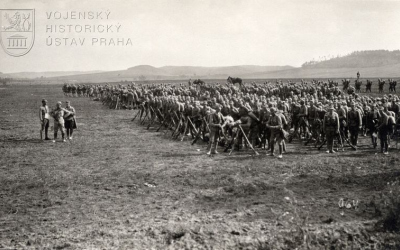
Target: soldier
[[70, 123], [331, 127], [368, 86], [381, 84], [354, 123], [73, 90], [295, 121], [285, 127], [395, 107], [215, 122], [391, 124], [275, 125], [304, 118], [342, 113], [254, 135], [44, 116], [58, 114], [383, 130], [246, 123], [372, 124]]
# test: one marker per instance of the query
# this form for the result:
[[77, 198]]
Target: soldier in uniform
[[215, 122], [275, 125], [354, 123], [343, 123], [44, 116], [331, 127], [304, 118], [383, 130], [58, 114], [372, 124], [70, 123], [245, 122]]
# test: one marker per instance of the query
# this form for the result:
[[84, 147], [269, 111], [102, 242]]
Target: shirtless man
[[44, 116]]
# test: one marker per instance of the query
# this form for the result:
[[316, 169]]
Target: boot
[[280, 152], [46, 134], [272, 150]]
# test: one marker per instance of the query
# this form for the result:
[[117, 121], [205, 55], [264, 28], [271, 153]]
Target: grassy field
[[117, 185]]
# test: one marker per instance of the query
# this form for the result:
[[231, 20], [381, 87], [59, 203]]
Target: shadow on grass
[[181, 154], [25, 140]]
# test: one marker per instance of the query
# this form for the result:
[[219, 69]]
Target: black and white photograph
[[199, 124]]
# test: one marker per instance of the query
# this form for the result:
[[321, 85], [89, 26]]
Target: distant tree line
[[5, 80], [358, 59]]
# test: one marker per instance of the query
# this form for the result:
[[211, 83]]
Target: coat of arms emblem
[[17, 30]]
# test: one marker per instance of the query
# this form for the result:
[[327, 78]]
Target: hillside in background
[[373, 63], [147, 72], [358, 59], [45, 74]]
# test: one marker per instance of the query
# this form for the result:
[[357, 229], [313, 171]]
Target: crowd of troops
[[258, 115]]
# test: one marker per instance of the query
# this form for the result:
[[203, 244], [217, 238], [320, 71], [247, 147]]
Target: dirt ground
[[117, 185]]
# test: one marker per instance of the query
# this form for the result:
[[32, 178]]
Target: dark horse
[[235, 80], [198, 82]]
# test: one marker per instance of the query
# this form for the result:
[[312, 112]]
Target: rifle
[[171, 126], [233, 142], [153, 118], [186, 126], [144, 118], [137, 113], [247, 140], [198, 133], [116, 105], [191, 124], [163, 123], [230, 143], [346, 139], [177, 126]]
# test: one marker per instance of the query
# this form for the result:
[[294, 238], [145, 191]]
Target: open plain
[[117, 185]]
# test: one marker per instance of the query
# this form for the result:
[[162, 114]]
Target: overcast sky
[[207, 32]]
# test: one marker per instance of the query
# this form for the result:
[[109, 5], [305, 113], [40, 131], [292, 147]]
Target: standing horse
[[199, 82], [235, 80]]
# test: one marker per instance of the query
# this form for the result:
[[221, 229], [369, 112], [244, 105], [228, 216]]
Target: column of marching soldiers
[[259, 115]]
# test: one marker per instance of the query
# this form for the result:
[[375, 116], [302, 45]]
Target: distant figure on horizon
[[358, 75]]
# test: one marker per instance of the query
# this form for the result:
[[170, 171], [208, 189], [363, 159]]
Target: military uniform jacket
[[354, 118], [71, 116], [331, 121], [215, 120], [275, 123], [372, 118], [312, 113]]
